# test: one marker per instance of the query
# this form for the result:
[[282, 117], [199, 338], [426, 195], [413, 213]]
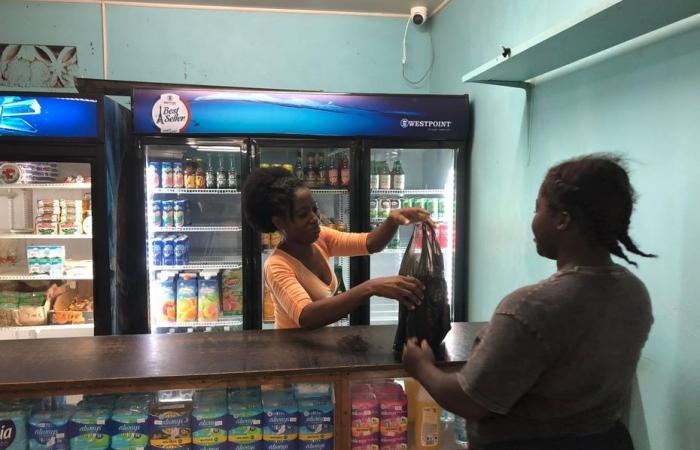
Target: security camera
[[419, 14]]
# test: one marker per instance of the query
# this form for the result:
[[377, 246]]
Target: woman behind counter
[[554, 367], [298, 274]]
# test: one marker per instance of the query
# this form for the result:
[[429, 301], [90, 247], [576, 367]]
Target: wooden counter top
[[109, 363]]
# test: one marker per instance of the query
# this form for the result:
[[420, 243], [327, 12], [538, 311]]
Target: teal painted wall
[[226, 47], [644, 104]]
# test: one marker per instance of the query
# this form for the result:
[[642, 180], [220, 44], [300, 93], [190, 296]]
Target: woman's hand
[[407, 216], [408, 291], [415, 355]]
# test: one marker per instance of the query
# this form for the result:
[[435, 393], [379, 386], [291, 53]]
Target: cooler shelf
[[42, 331], [196, 229], [196, 191], [433, 192], [44, 236], [203, 265], [228, 324], [79, 186], [331, 191], [22, 275]]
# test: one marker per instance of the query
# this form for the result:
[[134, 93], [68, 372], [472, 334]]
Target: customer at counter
[[298, 273], [554, 367]]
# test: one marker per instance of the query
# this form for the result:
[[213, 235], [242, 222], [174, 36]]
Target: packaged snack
[[9, 309], [187, 297]]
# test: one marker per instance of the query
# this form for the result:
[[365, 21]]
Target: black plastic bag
[[430, 320]]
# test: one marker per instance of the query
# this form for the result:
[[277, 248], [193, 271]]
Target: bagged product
[[48, 429], [9, 309], [315, 423], [170, 426], [87, 429], [246, 415], [209, 425], [13, 426], [430, 320], [128, 426], [280, 421]]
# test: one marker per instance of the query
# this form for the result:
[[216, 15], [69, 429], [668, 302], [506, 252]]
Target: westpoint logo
[[405, 123]]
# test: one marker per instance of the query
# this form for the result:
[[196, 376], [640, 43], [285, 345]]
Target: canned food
[[264, 166], [395, 241], [178, 175], [265, 240], [154, 174], [179, 212], [373, 209], [157, 213], [275, 239], [190, 174], [441, 210], [431, 204], [384, 208], [289, 168], [167, 213], [169, 251], [166, 174], [157, 251], [406, 203]]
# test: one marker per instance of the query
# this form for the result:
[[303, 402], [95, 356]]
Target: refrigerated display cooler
[[58, 160], [361, 155]]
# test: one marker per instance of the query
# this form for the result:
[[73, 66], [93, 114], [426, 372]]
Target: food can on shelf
[[169, 250], [182, 250], [178, 175], [441, 210], [154, 174], [157, 251], [373, 208], [406, 203], [167, 213], [289, 168], [431, 204], [179, 213], [418, 203], [395, 203], [157, 213], [166, 174], [384, 208], [265, 240]]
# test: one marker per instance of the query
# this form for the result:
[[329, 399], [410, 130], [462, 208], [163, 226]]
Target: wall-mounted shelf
[[604, 25]]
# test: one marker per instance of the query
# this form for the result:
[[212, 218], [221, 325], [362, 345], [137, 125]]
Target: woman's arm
[[380, 237], [407, 290]]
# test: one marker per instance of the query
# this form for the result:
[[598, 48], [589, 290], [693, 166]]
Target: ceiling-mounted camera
[[419, 15]]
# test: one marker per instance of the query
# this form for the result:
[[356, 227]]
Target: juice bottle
[[427, 421]]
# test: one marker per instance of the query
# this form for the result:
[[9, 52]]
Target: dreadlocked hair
[[595, 190], [268, 193]]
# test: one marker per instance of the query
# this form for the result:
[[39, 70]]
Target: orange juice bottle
[[268, 306], [427, 421]]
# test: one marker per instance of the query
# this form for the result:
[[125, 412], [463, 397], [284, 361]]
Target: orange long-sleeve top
[[293, 286]]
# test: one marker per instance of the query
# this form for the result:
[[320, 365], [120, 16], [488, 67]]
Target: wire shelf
[[399, 192], [79, 186], [197, 229], [196, 191]]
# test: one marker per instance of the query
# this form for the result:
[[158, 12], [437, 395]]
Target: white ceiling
[[369, 7]]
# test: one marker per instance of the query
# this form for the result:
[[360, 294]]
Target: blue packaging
[[210, 425], [280, 421], [128, 426], [166, 175], [246, 415], [168, 213], [13, 426], [179, 212], [48, 430], [157, 251], [169, 250], [315, 423], [182, 244], [156, 213], [87, 429]]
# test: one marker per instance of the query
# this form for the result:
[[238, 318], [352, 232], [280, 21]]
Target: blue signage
[[299, 114], [59, 117]]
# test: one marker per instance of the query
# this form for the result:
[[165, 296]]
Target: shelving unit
[[600, 27], [208, 264], [44, 331], [226, 324], [78, 186], [196, 191], [17, 274], [32, 236], [330, 191], [431, 192], [202, 229]]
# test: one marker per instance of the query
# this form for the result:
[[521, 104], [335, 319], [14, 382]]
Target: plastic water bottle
[[461, 438], [446, 416]]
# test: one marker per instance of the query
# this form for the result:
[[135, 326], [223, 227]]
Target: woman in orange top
[[298, 273]]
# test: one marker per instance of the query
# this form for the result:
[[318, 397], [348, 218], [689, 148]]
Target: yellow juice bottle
[[427, 421]]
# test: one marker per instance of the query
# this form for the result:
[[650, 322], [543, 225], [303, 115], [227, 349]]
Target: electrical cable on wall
[[418, 16]]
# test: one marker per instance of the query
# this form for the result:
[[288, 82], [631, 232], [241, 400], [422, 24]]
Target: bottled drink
[[461, 438], [321, 171], [333, 173], [232, 175], [190, 169], [384, 176], [398, 177], [200, 175], [310, 171], [395, 241], [210, 174], [345, 171], [339, 275], [374, 176], [299, 168], [222, 175]]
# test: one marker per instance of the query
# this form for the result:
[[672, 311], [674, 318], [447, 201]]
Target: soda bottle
[[345, 171], [200, 175], [210, 174], [310, 171], [299, 168], [339, 275], [222, 175], [398, 177], [384, 176], [232, 176], [374, 177], [321, 171], [333, 173]]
